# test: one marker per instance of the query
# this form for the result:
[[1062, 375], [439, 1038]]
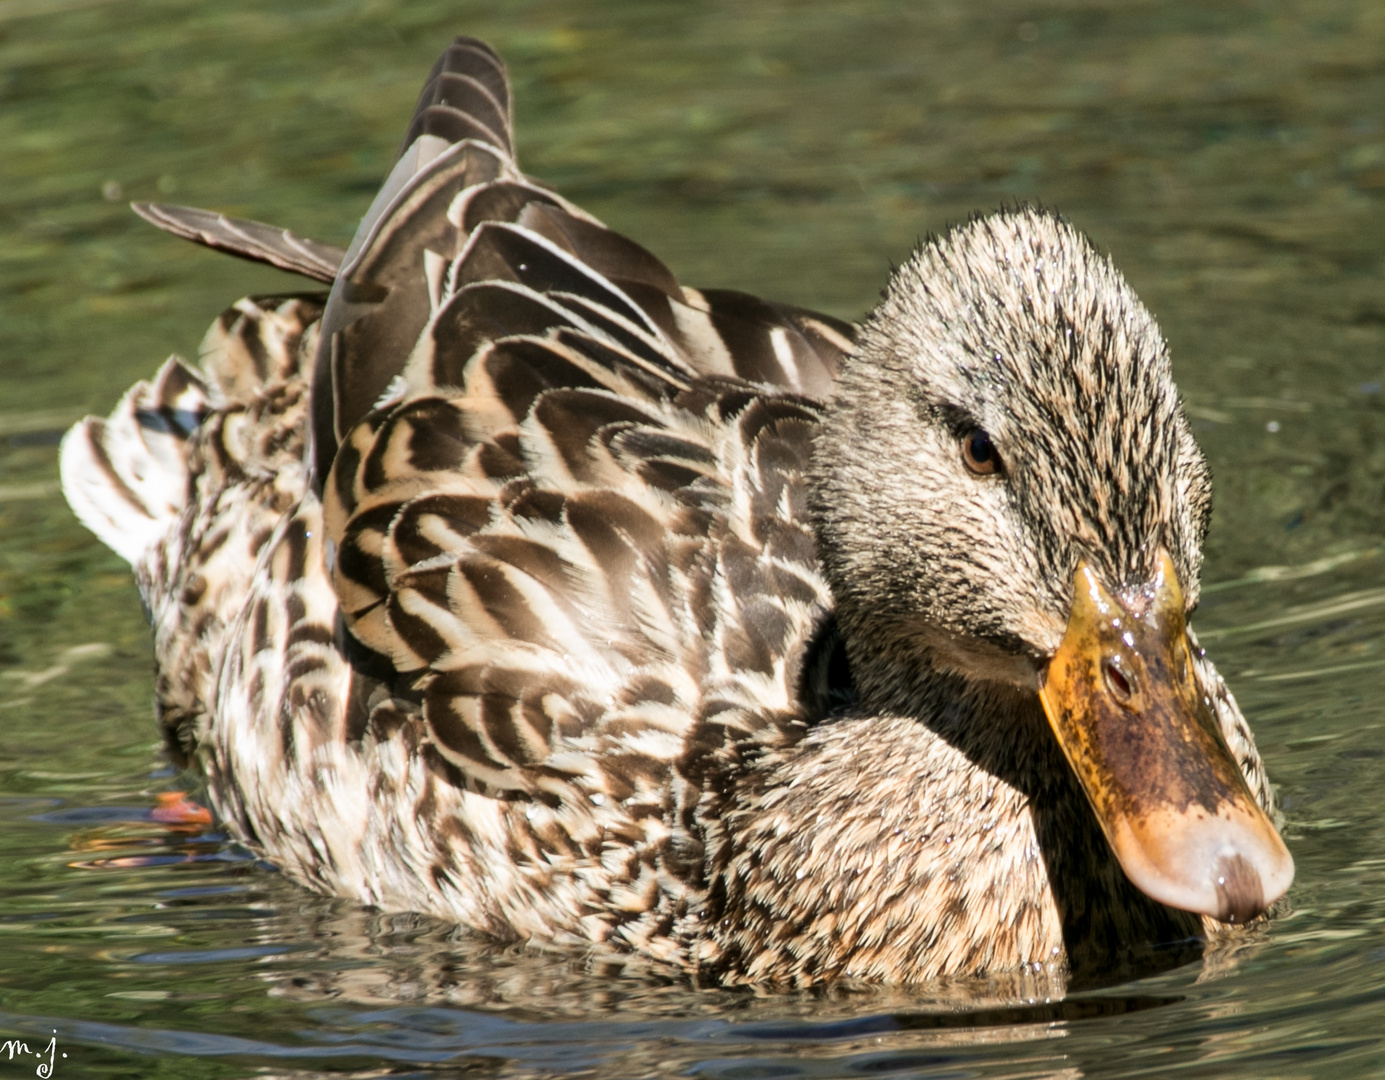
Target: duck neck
[[933, 828], [988, 714]]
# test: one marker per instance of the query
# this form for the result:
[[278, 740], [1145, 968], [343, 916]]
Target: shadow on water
[[1070, 1010]]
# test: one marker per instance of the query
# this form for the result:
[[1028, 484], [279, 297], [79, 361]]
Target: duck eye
[[980, 453]]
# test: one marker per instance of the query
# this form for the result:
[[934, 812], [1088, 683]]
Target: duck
[[512, 582]]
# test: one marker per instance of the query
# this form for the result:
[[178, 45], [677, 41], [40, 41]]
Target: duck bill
[[1147, 749]]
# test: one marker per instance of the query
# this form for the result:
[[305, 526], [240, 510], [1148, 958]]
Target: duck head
[[1007, 493]]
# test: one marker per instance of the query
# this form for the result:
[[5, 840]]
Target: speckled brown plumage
[[515, 583]]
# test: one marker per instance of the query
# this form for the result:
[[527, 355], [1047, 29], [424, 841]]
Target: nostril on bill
[[1117, 681]]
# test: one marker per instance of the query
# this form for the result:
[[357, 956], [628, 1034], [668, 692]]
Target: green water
[[1230, 156]]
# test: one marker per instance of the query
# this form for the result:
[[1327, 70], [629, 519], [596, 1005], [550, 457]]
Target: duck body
[[514, 583]]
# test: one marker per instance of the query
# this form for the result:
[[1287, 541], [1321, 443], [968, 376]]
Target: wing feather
[[562, 493], [251, 240], [460, 138], [648, 574]]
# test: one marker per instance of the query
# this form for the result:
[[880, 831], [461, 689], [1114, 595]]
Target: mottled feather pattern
[[570, 638], [960, 869], [490, 585], [541, 532], [126, 477], [1100, 462], [244, 467]]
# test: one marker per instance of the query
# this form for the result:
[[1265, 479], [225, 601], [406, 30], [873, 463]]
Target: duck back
[[470, 578]]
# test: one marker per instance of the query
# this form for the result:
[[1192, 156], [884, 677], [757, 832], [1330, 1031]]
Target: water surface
[[1231, 157]]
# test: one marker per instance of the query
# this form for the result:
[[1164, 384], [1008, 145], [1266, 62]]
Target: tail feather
[[126, 477], [257, 341]]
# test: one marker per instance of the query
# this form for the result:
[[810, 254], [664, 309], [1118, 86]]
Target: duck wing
[[563, 500], [456, 172], [540, 569], [457, 190]]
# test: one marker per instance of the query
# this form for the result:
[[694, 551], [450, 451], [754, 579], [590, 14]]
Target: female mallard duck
[[518, 584]]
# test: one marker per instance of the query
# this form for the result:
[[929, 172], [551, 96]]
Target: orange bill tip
[[1122, 697]]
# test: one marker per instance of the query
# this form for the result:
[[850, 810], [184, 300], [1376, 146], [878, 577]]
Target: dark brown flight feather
[[251, 240]]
